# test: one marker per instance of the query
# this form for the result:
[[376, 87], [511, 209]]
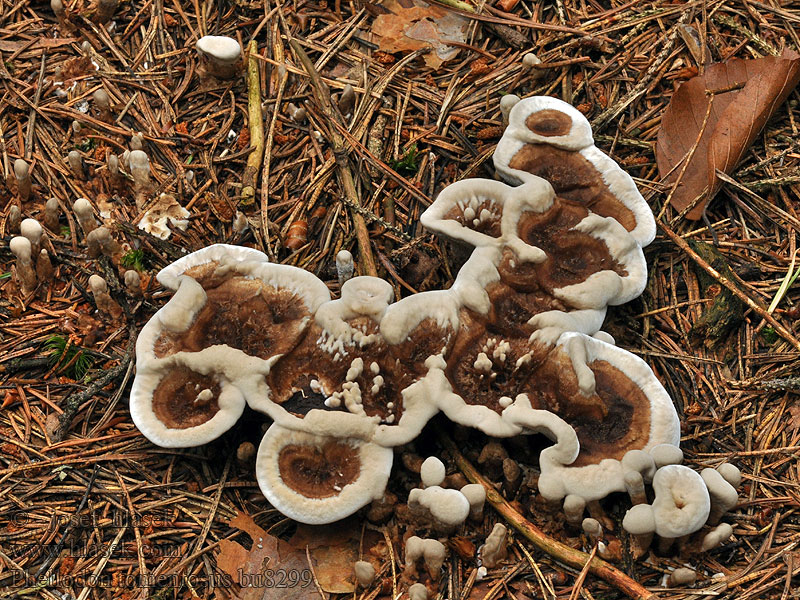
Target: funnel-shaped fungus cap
[[681, 504], [258, 309], [319, 479], [612, 401], [209, 258], [551, 139], [182, 402]]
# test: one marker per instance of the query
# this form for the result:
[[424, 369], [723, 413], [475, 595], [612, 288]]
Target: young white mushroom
[[32, 229], [26, 274], [100, 241], [444, 509], [475, 494], [240, 223], [297, 114], [719, 535], [22, 172], [112, 164], [364, 572], [433, 553], [58, 9], [133, 283], [495, 549], [413, 551], [103, 103], [105, 303], [139, 166], [640, 523], [682, 576], [417, 592], [723, 495], [137, 142], [76, 164], [508, 102], [432, 472], [220, 55], [592, 528], [574, 507], [14, 219], [84, 215], [730, 473], [530, 60], [681, 504], [344, 266], [666, 454], [44, 267], [52, 212]]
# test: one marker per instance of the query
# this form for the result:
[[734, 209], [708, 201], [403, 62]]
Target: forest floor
[[76, 476]]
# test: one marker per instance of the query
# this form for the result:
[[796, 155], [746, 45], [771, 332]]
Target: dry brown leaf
[[417, 26], [273, 569], [270, 570], [743, 95]]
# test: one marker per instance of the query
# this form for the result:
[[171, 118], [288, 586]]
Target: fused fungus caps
[[512, 347]]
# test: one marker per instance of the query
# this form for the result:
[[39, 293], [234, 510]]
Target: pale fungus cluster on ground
[[514, 347]]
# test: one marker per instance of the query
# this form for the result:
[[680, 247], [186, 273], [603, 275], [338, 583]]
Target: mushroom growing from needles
[[84, 214], [22, 172], [52, 212], [32, 229], [26, 273], [220, 55]]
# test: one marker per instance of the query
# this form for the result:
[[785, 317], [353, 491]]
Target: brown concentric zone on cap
[[549, 122], [290, 379], [573, 177], [572, 256], [179, 401], [478, 386], [319, 471], [613, 421], [243, 313]]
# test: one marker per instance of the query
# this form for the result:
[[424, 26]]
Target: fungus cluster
[[513, 347]]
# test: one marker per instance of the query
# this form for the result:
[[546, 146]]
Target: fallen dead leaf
[[414, 25], [273, 569], [743, 94], [269, 570]]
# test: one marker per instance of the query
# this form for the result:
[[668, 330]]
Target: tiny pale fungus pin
[[220, 55]]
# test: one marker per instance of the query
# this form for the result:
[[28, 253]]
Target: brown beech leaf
[[270, 570], [410, 25], [743, 95]]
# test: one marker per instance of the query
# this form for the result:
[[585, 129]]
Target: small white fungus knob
[[220, 55], [432, 471]]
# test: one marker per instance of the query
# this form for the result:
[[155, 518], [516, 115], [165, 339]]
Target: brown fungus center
[[184, 398], [573, 177], [245, 314], [549, 122], [319, 471]]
